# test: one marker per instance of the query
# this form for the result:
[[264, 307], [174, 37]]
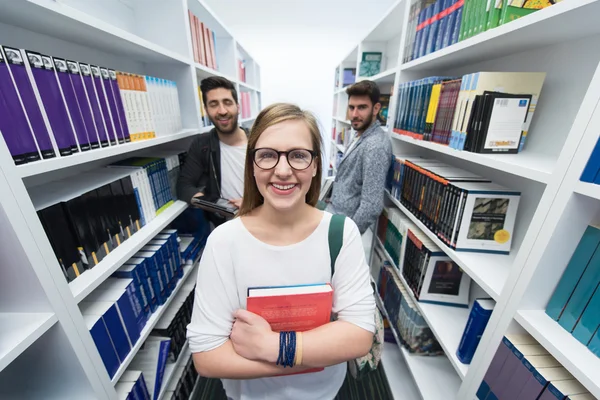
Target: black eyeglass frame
[[312, 153]]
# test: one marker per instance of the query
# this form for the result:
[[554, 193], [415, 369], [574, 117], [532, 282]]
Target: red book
[[293, 308]]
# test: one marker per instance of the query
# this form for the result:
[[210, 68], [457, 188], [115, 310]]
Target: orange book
[[292, 308], [194, 36]]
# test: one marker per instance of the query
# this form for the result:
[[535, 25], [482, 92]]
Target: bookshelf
[[41, 325], [555, 206]]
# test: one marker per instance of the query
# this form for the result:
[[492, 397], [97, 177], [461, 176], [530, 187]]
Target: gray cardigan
[[359, 185]]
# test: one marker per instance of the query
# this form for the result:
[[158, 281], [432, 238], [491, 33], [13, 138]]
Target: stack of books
[[436, 24], [575, 303], [466, 211], [174, 322], [483, 112], [60, 107], [205, 119], [523, 370], [404, 317], [204, 42]]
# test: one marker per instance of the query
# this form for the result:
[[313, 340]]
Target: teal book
[[582, 294], [590, 319], [572, 275], [371, 63], [594, 344]]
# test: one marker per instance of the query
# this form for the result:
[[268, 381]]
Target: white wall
[[298, 44]]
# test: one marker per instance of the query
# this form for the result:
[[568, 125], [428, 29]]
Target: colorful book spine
[[88, 84], [83, 104]]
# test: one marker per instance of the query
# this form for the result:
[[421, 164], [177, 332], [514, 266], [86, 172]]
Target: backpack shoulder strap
[[336, 238]]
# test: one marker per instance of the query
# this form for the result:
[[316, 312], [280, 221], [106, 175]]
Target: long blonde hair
[[273, 115]]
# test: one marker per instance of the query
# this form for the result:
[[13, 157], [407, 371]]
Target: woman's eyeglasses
[[298, 159]]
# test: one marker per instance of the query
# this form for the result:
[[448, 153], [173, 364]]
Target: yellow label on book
[[502, 236], [129, 230], [76, 270], [118, 240], [94, 258]]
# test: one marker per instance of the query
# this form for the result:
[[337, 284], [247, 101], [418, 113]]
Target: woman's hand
[[252, 337]]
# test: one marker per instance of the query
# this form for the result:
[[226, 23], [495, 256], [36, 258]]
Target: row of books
[[204, 115], [174, 322], [404, 317], [341, 136], [482, 112], [59, 107], [182, 388], [204, 42], [590, 172], [245, 104], [87, 216], [436, 24], [575, 303], [523, 370], [427, 271], [465, 211], [117, 311]]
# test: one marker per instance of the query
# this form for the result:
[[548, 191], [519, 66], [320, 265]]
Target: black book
[[216, 205]]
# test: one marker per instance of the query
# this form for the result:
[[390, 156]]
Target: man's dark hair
[[365, 88], [216, 82]]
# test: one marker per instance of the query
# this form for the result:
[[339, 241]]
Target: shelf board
[[399, 380], [529, 32], [89, 280], [588, 189], [245, 85], [387, 76], [203, 70], [63, 22], [434, 376], [54, 164], [489, 271], [343, 121], [446, 322], [187, 271], [243, 120], [340, 147], [574, 356], [18, 331], [170, 368], [536, 167]]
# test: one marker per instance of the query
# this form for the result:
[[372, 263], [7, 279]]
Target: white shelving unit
[[41, 326], [555, 206]]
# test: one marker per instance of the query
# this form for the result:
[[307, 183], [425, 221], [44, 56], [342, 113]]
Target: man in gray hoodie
[[359, 185]]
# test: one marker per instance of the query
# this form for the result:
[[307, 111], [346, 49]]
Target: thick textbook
[[292, 308], [478, 319]]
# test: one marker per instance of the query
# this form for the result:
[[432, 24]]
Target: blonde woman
[[279, 239]]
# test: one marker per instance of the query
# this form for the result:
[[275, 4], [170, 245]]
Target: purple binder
[[83, 103], [111, 104], [71, 100], [15, 130], [14, 61], [119, 102], [112, 136], [86, 74], [47, 86]]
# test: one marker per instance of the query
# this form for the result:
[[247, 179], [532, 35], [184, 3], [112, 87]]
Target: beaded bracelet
[[287, 348]]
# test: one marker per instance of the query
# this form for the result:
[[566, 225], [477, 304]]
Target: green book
[[371, 63], [465, 21], [494, 14], [514, 9]]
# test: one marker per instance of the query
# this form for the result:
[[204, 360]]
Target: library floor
[[372, 387]]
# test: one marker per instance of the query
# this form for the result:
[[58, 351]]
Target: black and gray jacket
[[201, 171]]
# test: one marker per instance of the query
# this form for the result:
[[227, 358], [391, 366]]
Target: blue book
[[155, 274], [582, 294], [444, 17], [590, 319], [433, 29], [426, 29], [146, 282], [450, 21], [575, 269], [478, 319], [132, 272], [114, 325], [593, 165], [95, 324], [418, 34], [152, 360], [456, 26], [559, 390]]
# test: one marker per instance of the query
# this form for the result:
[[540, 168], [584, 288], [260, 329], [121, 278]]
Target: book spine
[[112, 106], [94, 105], [575, 269], [593, 165], [16, 130], [590, 319], [478, 319]]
